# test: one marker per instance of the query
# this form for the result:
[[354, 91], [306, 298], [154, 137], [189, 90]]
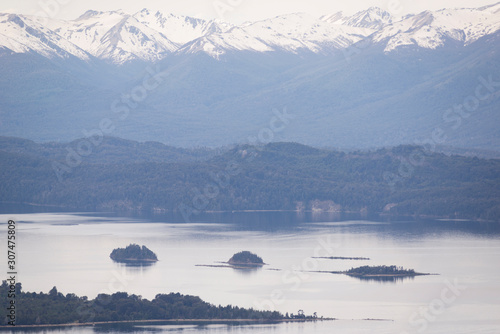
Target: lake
[[71, 251]]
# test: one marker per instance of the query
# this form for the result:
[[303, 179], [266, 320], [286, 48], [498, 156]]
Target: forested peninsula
[[56, 308]]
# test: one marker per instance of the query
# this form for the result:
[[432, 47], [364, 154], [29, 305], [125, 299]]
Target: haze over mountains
[[365, 80]]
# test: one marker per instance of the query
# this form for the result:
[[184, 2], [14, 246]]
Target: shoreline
[[380, 214], [168, 321]]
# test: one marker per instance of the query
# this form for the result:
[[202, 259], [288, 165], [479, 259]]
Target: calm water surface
[[71, 251]]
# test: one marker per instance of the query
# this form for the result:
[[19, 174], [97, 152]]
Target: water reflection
[[127, 328], [384, 279], [320, 215], [247, 271], [134, 267]]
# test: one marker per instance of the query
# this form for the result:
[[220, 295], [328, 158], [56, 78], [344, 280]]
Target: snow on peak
[[373, 18], [151, 35], [433, 29], [116, 36], [22, 34], [179, 29], [291, 33]]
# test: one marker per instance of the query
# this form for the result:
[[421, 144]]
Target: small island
[[242, 260], [134, 254], [245, 259], [381, 271]]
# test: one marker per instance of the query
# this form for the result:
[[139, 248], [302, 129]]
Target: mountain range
[[151, 35], [363, 80]]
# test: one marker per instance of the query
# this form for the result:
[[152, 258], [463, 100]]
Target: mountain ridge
[[151, 36]]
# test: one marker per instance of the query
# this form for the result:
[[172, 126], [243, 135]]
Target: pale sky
[[235, 11]]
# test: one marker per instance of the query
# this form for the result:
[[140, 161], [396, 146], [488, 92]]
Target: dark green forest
[[118, 175], [56, 308]]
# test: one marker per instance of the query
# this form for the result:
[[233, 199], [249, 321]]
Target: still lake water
[[71, 251]]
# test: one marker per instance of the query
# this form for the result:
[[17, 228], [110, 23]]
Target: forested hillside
[[279, 176]]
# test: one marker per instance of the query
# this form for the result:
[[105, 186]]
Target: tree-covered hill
[[279, 176]]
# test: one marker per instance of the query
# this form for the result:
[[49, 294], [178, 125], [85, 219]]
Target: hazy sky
[[229, 10]]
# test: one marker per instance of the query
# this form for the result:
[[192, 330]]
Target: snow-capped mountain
[[180, 29], [431, 30], [290, 33], [59, 77], [373, 18], [115, 36], [150, 35], [24, 34]]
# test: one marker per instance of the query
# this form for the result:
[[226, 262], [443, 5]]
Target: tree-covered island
[[378, 273], [133, 254], [246, 259], [382, 271]]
